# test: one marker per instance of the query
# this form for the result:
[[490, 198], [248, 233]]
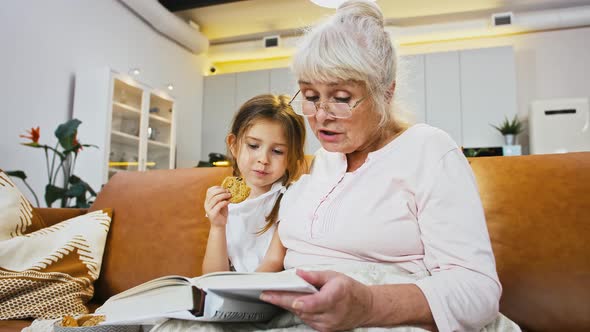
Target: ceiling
[[223, 21]]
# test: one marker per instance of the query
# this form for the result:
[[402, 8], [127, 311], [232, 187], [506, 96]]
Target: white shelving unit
[[132, 123]]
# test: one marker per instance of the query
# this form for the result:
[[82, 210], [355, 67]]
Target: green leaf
[[17, 174], [34, 145], [66, 132], [82, 203], [509, 127], [76, 180], [53, 193], [76, 190]]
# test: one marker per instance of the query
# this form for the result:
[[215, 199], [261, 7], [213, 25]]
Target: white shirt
[[245, 248], [413, 203]]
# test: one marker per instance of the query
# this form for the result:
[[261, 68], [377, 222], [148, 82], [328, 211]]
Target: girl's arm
[[273, 260], [216, 258]]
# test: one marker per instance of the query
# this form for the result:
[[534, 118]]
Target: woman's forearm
[[394, 305], [216, 258]]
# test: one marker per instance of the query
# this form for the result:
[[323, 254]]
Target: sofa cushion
[[159, 226], [49, 272], [538, 216], [15, 207]]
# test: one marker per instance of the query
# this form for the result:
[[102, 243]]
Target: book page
[[148, 304], [153, 284], [250, 285]]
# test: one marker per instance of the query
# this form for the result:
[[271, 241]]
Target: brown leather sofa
[[537, 210]]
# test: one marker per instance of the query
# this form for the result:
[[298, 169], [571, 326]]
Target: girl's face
[[350, 135], [261, 155]]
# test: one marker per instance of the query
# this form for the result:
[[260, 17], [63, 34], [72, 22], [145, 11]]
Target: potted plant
[[60, 161], [510, 129]]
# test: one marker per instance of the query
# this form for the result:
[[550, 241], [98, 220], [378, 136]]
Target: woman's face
[[354, 134]]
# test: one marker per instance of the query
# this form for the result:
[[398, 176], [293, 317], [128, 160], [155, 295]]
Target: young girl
[[266, 148]]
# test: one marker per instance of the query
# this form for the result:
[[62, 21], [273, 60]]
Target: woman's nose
[[322, 113]]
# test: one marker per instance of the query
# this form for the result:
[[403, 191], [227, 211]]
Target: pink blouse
[[413, 203]]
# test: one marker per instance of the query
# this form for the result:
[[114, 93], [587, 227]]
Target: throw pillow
[[50, 272], [15, 207]]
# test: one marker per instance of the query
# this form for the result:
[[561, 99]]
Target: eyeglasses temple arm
[[358, 102], [294, 97]]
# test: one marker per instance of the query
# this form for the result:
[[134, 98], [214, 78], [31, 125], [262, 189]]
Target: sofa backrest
[[537, 209], [158, 227]]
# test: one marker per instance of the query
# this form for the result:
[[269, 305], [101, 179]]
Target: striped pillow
[[15, 207], [49, 272]]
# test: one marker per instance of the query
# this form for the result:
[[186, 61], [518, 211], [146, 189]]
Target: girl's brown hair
[[277, 109]]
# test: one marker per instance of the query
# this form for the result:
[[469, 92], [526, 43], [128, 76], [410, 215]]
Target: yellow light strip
[[221, 163], [237, 66], [129, 163]]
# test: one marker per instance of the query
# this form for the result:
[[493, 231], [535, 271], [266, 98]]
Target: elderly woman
[[380, 191]]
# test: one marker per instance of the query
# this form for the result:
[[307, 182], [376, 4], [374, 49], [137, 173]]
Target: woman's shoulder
[[425, 132], [430, 139]]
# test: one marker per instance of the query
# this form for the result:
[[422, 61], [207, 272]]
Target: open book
[[222, 296]]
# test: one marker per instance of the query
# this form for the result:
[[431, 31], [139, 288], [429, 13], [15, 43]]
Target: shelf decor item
[[60, 160], [510, 129]]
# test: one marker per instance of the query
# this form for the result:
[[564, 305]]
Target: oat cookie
[[84, 320], [92, 321], [237, 187], [69, 321]]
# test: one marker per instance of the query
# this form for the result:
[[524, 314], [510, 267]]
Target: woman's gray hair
[[351, 45]]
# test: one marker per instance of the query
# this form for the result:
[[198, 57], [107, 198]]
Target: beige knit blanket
[[367, 273]]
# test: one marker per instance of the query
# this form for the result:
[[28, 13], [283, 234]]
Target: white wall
[[43, 43], [550, 64]]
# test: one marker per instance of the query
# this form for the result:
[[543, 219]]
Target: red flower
[[77, 144], [34, 135]]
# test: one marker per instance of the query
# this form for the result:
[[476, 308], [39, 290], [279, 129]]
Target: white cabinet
[[488, 94], [443, 93], [410, 93], [461, 92], [224, 94], [250, 84], [283, 82], [132, 124], [219, 106]]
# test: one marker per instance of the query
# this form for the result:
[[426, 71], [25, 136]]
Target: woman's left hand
[[341, 304]]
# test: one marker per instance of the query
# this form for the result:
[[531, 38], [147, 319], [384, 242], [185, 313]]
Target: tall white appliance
[[559, 126]]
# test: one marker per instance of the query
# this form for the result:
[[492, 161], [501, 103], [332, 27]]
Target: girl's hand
[[216, 203]]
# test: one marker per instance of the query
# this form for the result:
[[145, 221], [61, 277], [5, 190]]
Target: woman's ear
[[389, 93], [231, 142]]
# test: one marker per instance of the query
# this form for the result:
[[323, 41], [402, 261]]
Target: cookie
[[237, 187], [84, 320], [92, 321], [69, 321]]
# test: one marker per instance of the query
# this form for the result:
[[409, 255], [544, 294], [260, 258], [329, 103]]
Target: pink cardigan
[[414, 203]]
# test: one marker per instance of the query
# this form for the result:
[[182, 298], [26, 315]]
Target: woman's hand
[[341, 304], [216, 203]]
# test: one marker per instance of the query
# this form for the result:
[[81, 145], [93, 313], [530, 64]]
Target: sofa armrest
[[52, 216]]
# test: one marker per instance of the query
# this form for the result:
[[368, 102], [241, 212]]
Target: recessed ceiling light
[[170, 87], [135, 71], [330, 3]]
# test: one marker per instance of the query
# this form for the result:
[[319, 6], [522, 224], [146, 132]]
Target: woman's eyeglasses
[[334, 109]]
